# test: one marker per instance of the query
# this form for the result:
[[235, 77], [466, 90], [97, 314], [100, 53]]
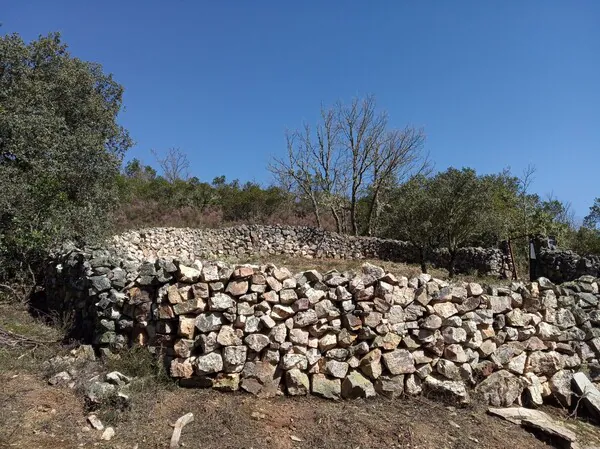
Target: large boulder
[[234, 358], [257, 342], [355, 385], [326, 387], [261, 379], [447, 389], [209, 363], [588, 392], [501, 389], [399, 361], [390, 386], [181, 368], [370, 364], [560, 386], [296, 382], [544, 363]]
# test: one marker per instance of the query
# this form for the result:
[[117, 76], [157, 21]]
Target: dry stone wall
[[245, 241], [561, 266], [267, 331]]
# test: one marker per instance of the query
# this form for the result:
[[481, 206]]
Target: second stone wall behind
[[246, 241], [563, 266]]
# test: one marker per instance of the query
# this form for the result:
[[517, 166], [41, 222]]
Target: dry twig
[[8, 338], [181, 422]]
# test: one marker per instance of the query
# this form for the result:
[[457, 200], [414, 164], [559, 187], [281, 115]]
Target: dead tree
[[174, 164], [313, 167], [350, 156], [397, 158]]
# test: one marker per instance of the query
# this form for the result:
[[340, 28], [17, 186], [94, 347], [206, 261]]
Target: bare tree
[[313, 166], [398, 157], [174, 164], [295, 172], [526, 204], [362, 131], [377, 158], [350, 156], [561, 211], [331, 179]]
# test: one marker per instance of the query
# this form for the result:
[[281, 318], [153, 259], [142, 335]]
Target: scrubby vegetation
[[61, 175]]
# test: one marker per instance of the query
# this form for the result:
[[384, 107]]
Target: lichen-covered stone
[[356, 385], [297, 383], [399, 361], [209, 363], [234, 358], [257, 342], [326, 387]]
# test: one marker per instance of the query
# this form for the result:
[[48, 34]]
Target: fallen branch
[[11, 290], [579, 399], [27, 352], [181, 422], [13, 339]]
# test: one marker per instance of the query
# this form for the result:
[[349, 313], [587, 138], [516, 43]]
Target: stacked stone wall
[[562, 266], [257, 240], [265, 330]]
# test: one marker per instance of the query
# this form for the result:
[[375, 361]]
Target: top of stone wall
[[564, 265], [216, 242], [245, 241]]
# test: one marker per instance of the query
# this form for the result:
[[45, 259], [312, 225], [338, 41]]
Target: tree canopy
[[61, 147]]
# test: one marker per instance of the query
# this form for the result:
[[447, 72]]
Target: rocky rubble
[[79, 369], [267, 331]]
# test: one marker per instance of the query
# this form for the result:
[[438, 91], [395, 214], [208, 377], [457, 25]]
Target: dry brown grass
[[139, 214], [27, 357], [298, 264], [39, 416], [35, 415]]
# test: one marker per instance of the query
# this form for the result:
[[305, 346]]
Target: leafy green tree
[[60, 148], [135, 169], [587, 239], [592, 220], [461, 204], [248, 202], [409, 216], [502, 215]]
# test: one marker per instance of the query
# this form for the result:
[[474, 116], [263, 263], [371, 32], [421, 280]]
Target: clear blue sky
[[494, 83]]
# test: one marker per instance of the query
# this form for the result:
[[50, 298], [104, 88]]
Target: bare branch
[[174, 164], [348, 156]]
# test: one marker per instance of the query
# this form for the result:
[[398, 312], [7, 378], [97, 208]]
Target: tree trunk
[[316, 212], [451, 263], [353, 222], [422, 257], [373, 206], [338, 223]]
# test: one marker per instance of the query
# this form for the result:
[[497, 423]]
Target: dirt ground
[[36, 415]]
